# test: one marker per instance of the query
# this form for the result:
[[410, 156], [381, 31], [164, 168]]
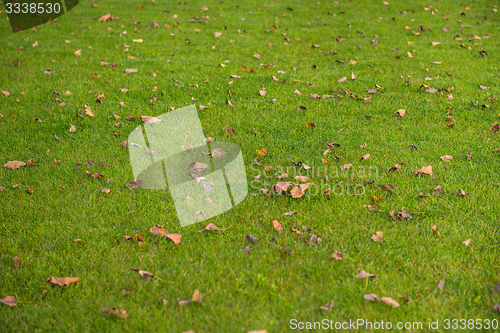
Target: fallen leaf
[[9, 300], [106, 190], [247, 249], [467, 242], [484, 87], [371, 208], [385, 187], [437, 191], [390, 301], [400, 112], [6, 93], [342, 79], [290, 213], [130, 70], [251, 238], [346, 166], [431, 90], [62, 281], [435, 231], [137, 40], [302, 178], [327, 307], [426, 170], [150, 120], [435, 43], [371, 297], [161, 231], [88, 111], [14, 164], [277, 226], [78, 53], [298, 191], [72, 128], [337, 255], [440, 285], [122, 314], [364, 157], [144, 274], [364, 275], [262, 151], [17, 260], [256, 55], [460, 193], [210, 227], [379, 236]]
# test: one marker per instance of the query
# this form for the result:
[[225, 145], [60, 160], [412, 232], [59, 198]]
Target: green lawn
[[265, 289]]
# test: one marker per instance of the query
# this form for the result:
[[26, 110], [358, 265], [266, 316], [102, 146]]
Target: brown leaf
[[247, 249], [431, 90], [256, 55], [78, 53], [161, 231], [437, 191], [88, 111], [106, 190], [346, 166], [460, 193], [435, 43], [151, 120], [62, 281], [364, 275], [426, 170], [484, 87], [446, 158], [210, 227], [435, 231], [371, 297], [337, 255], [385, 187], [17, 260], [371, 208], [9, 300], [390, 301], [290, 213], [298, 191], [106, 17], [440, 285], [365, 157], [14, 164], [130, 70], [122, 314], [379, 236], [467, 242], [251, 238], [342, 79], [327, 307], [262, 92], [277, 226], [400, 112]]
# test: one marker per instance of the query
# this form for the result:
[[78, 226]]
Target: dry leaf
[[122, 314], [78, 53], [379, 236], [290, 213], [62, 281], [262, 151], [460, 193], [440, 285], [364, 157], [446, 158], [437, 191], [161, 231], [9, 300], [106, 190], [298, 191], [130, 70], [390, 301], [277, 226], [137, 40], [426, 170], [302, 178], [251, 238], [88, 111], [346, 166], [431, 90], [466, 242], [385, 187], [484, 87], [262, 92], [327, 307], [371, 297], [14, 164], [210, 227], [17, 260], [400, 112], [149, 119], [72, 128], [435, 231], [337, 255], [364, 275], [371, 208], [342, 79], [435, 43], [256, 55]]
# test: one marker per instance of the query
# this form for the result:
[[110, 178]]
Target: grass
[[263, 289]]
